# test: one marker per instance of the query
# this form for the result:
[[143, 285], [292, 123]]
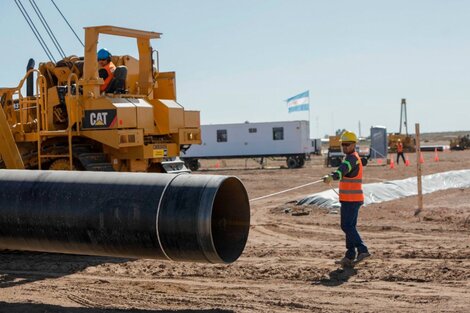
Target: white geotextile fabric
[[395, 189]]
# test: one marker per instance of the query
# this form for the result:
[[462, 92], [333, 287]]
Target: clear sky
[[238, 60]]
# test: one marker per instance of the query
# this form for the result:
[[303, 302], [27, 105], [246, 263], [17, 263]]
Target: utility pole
[[403, 117], [360, 135], [418, 171]]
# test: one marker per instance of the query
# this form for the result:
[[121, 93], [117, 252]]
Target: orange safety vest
[[350, 188], [110, 67], [399, 147]]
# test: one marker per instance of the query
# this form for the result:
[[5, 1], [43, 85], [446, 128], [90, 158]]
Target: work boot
[[345, 262], [362, 256]]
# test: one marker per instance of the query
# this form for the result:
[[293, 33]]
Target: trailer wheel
[[292, 162], [301, 161], [193, 164]]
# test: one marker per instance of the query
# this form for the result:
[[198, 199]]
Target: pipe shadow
[[337, 277], [22, 267], [49, 308]]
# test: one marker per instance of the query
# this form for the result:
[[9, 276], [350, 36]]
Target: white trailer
[[316, 146], [288, 139]]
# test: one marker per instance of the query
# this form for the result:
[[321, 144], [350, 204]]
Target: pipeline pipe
[[196, 218]]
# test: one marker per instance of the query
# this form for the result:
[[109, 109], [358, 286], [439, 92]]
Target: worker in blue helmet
[[106, 70]]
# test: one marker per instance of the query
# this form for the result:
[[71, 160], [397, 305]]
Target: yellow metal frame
[[91, 81], [33, 110]]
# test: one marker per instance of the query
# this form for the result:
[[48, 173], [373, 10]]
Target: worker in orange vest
[[351, 197], [400, 151], [106, 71]]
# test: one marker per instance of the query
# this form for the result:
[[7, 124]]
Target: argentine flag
[[299, 102]]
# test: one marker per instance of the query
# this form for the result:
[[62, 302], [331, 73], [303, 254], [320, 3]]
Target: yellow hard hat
[[348, 136]]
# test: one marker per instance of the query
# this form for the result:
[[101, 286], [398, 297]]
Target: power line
[[34, 30], [67, 23], [48, 29]]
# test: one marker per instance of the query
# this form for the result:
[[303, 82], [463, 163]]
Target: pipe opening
[[230, 222]]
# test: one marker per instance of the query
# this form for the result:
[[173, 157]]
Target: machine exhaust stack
[[30, 79], [196, 218]]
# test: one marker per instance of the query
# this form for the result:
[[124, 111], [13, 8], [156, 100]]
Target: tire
[[301, 162], [292, 162], [193, 164]]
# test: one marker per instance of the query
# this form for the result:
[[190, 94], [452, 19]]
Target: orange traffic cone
[[436, 156], [421, 158], [392, 164], [217, 165], [407, 162]]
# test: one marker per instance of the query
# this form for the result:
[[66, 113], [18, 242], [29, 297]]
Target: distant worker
[[106, 70], [351, 197], [400, 151]]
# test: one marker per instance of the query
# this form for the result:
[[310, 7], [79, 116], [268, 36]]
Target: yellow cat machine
[[408, 141], [335, 153], [65, 123], [460, 143]]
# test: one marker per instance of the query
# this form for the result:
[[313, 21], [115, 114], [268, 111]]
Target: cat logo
[[99, 118]]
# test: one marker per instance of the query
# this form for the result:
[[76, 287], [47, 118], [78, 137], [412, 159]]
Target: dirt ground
[[419, 264]]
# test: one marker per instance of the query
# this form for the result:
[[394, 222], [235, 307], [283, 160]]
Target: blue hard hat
[[103, 54]]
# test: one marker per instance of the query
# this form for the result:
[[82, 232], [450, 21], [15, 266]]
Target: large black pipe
[[198, 218], [30, 79]]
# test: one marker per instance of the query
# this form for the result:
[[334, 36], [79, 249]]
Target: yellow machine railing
[[26, 119]]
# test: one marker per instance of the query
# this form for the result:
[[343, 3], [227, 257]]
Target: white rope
[[332, 188], [301, 186], [283, 191]]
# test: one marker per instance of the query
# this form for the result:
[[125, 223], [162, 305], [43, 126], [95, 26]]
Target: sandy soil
[[419, 264]]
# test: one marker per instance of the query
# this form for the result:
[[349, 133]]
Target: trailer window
[[252, 130], [221, 135], [278, 133]]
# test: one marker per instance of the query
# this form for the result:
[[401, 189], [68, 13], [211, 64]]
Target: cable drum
[[197, 218]]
